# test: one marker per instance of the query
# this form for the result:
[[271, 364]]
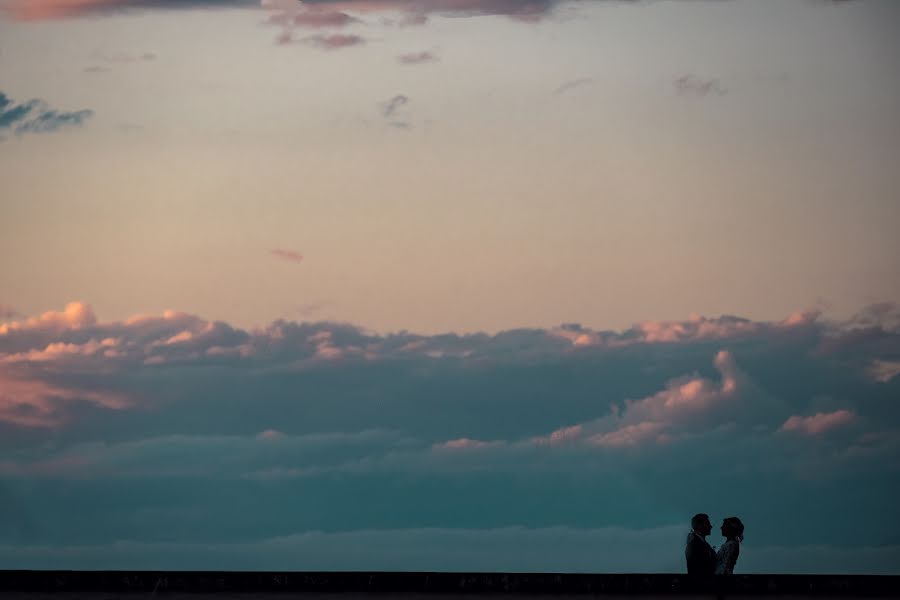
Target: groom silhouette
[[701, 559]]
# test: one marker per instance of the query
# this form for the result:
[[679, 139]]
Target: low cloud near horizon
[[556, 449]]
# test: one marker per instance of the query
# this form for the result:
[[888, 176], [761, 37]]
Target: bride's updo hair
[[736, 527]]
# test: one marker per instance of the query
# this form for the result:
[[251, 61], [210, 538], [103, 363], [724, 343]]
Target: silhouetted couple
[[702, 559]]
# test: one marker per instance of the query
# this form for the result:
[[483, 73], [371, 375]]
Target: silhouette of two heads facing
[[732, 527], [703, 559]]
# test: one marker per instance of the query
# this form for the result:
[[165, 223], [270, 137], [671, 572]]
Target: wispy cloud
[[465, 444], [288, 255], [691, 85], [391, 107], [309, 309], [573, 84], [394, 111], [416, 58], [8, 312], [884, 370], [118, 58], [312, 16], [819, 423], [335, 41], [36, 116], [291, 15]]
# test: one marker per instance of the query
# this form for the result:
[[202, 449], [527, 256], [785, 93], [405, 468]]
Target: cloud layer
[[167, 433], [37, 10], [287, 12]]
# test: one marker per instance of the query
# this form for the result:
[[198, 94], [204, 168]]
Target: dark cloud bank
[[170, 441]]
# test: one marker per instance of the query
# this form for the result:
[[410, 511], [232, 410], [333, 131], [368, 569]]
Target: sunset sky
[[448, 284]]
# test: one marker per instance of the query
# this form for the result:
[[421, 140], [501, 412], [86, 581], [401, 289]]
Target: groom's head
[[701, 525]]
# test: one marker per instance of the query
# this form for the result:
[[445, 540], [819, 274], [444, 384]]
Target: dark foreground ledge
[[268, 583]]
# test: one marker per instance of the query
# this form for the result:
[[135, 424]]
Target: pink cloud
[[695, 328], [578, 336], [270, 435], [818, 423], [57, 350], [883, 371], [321, 17], [685, 403], [324, 348], [177, 336], [416, 13], [37, 10], [168, 315], [34, 403], [75, 315], [514, 8], [335, 41], [656, 332], [629, 435], [184, 336], [292, 15], [329, 352], [412, 19], [465, 444], [416, 58], [73, 340], [686, 394], [724, 362], [563, 435], [694, 394], [68, 344], [802, 317], [288, 255]]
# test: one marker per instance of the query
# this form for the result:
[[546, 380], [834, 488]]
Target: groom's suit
[[701, 559]]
